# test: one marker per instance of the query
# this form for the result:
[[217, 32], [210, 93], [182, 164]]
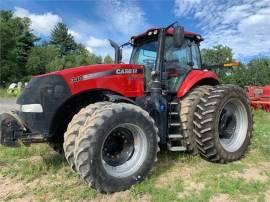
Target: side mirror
[[178, 36]]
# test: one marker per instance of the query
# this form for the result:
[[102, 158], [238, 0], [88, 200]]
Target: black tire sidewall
[[111, 183]]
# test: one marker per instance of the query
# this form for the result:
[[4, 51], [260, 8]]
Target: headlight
[[36, 108]]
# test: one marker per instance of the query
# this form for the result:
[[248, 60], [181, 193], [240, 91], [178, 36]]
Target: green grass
[[3, 93], [175, 177]]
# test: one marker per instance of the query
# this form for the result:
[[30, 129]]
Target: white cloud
[[183, 7], [41, 24], [97, 43], [123, 17], [242, 25], [99, 46], [77, 36], [118, 19]]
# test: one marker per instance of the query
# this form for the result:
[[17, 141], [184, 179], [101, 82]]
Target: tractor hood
[[98, 76], [81, 70], [46, 93]]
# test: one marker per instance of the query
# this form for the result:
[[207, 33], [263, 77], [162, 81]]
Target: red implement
[[259, 97]]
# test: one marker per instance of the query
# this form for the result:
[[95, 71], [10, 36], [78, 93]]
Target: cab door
[[178, 62]]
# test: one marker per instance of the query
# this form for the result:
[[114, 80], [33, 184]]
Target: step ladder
[[175, 138]]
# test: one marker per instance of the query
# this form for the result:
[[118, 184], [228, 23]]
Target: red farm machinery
[[111, 119], [259, 97]]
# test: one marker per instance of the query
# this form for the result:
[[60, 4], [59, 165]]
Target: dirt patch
[[179, 172], [191, 188], [35, 158], [264, 165], [121, 196], [32, 159], [221, 198], [10, 188], [183, 173], [251, 174], [267, 196]]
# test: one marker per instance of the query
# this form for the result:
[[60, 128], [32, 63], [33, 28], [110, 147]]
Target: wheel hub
[[124, 150], [227, 124], [118, 147], [233, 125]]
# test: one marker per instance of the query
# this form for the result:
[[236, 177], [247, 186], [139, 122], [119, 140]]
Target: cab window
[[145, 54], [176, 64], [196, 58]]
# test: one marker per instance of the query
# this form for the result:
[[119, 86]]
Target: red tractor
[[110, 119]]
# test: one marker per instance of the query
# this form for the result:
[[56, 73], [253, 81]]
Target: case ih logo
[[104, 73], [126, 71]]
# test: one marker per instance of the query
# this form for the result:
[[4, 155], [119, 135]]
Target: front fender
[[197, 77], [119, 98], [40, 100]]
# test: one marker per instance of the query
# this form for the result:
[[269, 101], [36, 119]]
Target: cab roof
[[169, 32]]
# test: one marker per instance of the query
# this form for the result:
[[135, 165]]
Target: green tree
[[218, 55], [107, 60], [62, 39], [78, 58], [258, 71], [40, 57], [16, 41]]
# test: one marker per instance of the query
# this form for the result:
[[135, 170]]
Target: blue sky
[[243, 25]]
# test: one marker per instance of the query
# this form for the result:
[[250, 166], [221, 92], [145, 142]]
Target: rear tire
[[186, 113], [73, 130], [116, 148], [223, 124]]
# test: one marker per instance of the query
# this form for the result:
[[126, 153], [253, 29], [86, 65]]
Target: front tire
[[223, 124], [73, 130], [116, 148]]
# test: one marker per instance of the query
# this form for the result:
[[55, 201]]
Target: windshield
[[145, 54]]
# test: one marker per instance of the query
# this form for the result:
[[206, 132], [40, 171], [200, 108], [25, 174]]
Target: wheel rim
[[233, 125], [124, 150]]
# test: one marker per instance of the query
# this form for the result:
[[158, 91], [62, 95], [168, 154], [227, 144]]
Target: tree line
[[23, 54], [255, 72]]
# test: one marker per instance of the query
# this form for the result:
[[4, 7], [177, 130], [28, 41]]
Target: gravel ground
[[7, 104]]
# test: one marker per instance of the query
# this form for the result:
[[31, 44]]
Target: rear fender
[[195, 78]]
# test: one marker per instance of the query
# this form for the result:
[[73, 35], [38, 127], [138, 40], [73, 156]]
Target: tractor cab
[[176, 61], [167, 54]]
